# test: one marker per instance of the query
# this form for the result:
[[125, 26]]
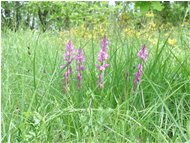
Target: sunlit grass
[[36, 109]]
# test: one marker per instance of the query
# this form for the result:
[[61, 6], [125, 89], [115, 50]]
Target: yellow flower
[[171, 42], [150, 14], [166, 34], [125, 30], [61, 33], [153, 41], [101, 32], [152, 25], [73, 31], [129, 32], [138, 34]]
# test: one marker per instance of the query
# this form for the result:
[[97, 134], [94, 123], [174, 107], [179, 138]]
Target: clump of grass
[[36, 109]]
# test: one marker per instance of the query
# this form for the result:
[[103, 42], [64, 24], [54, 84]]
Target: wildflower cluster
[[80, 60], [69, 56], [102, 57], [142, 54]]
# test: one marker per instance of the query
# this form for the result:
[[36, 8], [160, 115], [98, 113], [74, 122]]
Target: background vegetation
[[65, 15]]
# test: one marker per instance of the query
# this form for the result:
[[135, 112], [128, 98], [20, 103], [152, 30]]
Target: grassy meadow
[[36, 109]]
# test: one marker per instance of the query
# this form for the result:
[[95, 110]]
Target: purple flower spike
[[80, 56], [69, 52], [69, 55], [102, 57], [143, 53], [104, 43], [103, 67], [138, 75], [80, 60], [66, 78], [67, 73]]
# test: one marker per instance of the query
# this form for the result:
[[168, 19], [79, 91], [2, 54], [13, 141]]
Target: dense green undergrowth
[[36, 109]]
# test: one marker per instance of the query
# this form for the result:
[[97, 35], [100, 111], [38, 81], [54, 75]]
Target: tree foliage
[[64, 15]]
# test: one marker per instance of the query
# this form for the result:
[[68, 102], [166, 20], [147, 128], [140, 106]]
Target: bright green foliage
[[146, 6], [36, 109], [65, 15]]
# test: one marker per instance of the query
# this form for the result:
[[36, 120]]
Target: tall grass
[[36, 109]]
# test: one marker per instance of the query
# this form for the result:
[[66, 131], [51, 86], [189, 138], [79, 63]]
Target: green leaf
[[144, 6], [188, 128], [156, 5]]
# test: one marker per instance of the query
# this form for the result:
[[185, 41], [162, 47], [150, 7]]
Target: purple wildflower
[[80, 59], [69, 52], [69, 55], [138, 75], [102, 57], [143, 53], [101, 85], [67, 73]]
